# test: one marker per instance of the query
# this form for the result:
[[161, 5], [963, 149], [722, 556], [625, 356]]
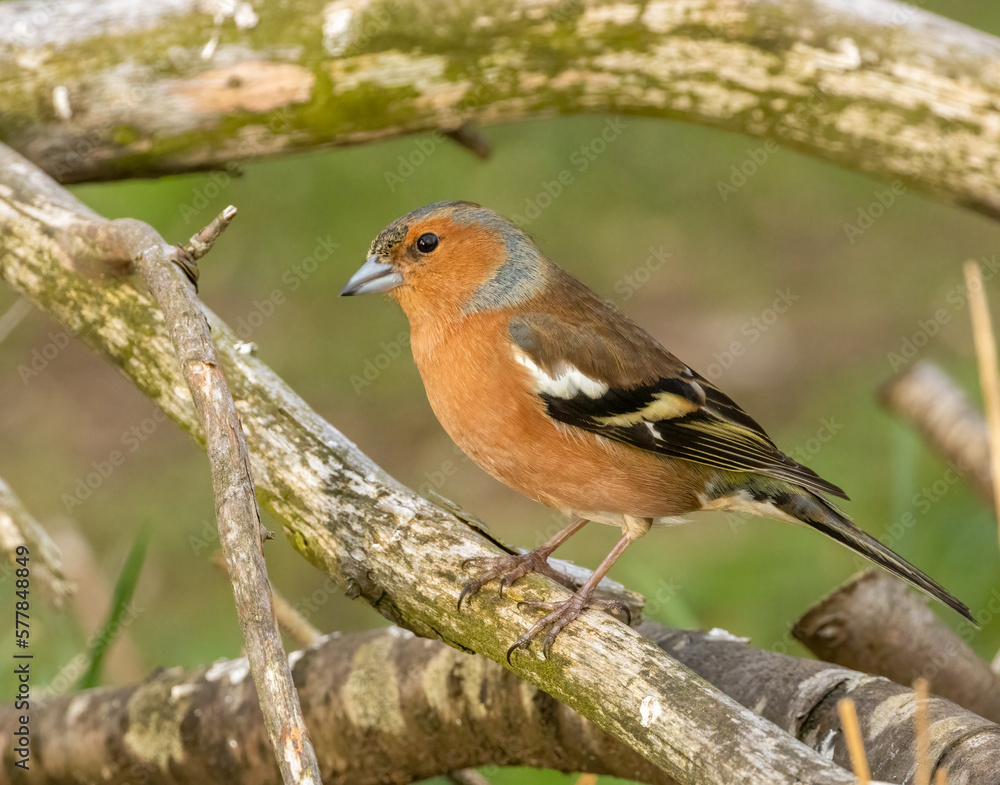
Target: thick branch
[[115, 89], [380, 540], [874, 624], [385, 706]]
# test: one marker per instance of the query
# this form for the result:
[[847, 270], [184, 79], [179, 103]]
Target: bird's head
[[449, 259]]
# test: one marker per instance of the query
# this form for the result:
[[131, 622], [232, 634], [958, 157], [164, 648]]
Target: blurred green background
[[645, 225]]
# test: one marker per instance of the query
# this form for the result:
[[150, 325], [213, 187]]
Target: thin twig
[[986, 355], [922, 732], [201, 242], [468, 136], [467, 777], [855, 742], [13, 316], [292, 623], [240, 531], [22, 536]]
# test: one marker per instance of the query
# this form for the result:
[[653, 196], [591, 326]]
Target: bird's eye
[[427, 242]]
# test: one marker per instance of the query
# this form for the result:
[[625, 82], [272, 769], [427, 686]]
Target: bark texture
[[876, 625], [113, 88], [385, 706]]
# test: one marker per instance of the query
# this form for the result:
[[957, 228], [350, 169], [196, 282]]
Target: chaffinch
[[556, 393]]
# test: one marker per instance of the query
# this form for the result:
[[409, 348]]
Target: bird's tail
[[812, 510]]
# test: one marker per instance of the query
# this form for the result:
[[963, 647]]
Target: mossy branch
[[880, 87]]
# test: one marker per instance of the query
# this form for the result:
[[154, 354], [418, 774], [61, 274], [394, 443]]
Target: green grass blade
[[124, 589]]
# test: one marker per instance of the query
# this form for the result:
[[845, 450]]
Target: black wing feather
[[708, 427], [702, 437]]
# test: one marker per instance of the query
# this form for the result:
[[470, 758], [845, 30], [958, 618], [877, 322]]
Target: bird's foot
[[562, 613], [508, 569]]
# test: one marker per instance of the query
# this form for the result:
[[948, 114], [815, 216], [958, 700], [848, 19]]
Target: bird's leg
[[564, 612], [510, 568]]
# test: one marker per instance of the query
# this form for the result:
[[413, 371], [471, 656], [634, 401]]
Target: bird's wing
[[611, 378]]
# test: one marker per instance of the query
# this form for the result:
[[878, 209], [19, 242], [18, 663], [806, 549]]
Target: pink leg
[[564, 612]]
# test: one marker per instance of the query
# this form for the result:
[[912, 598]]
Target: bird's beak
[[374, 276]]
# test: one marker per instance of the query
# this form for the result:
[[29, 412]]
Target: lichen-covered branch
[[169, 272], [113, 89], [18, 528], [385, 706], [378, 539]]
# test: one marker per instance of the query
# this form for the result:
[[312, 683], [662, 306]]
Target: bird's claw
[[478, 560], [558, 619], [616, 608], [562, 613], [507, 568]]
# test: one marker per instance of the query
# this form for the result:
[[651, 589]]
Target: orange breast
[[482, 397]]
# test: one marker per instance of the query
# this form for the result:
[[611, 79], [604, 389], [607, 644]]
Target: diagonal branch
[[378, 539]]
